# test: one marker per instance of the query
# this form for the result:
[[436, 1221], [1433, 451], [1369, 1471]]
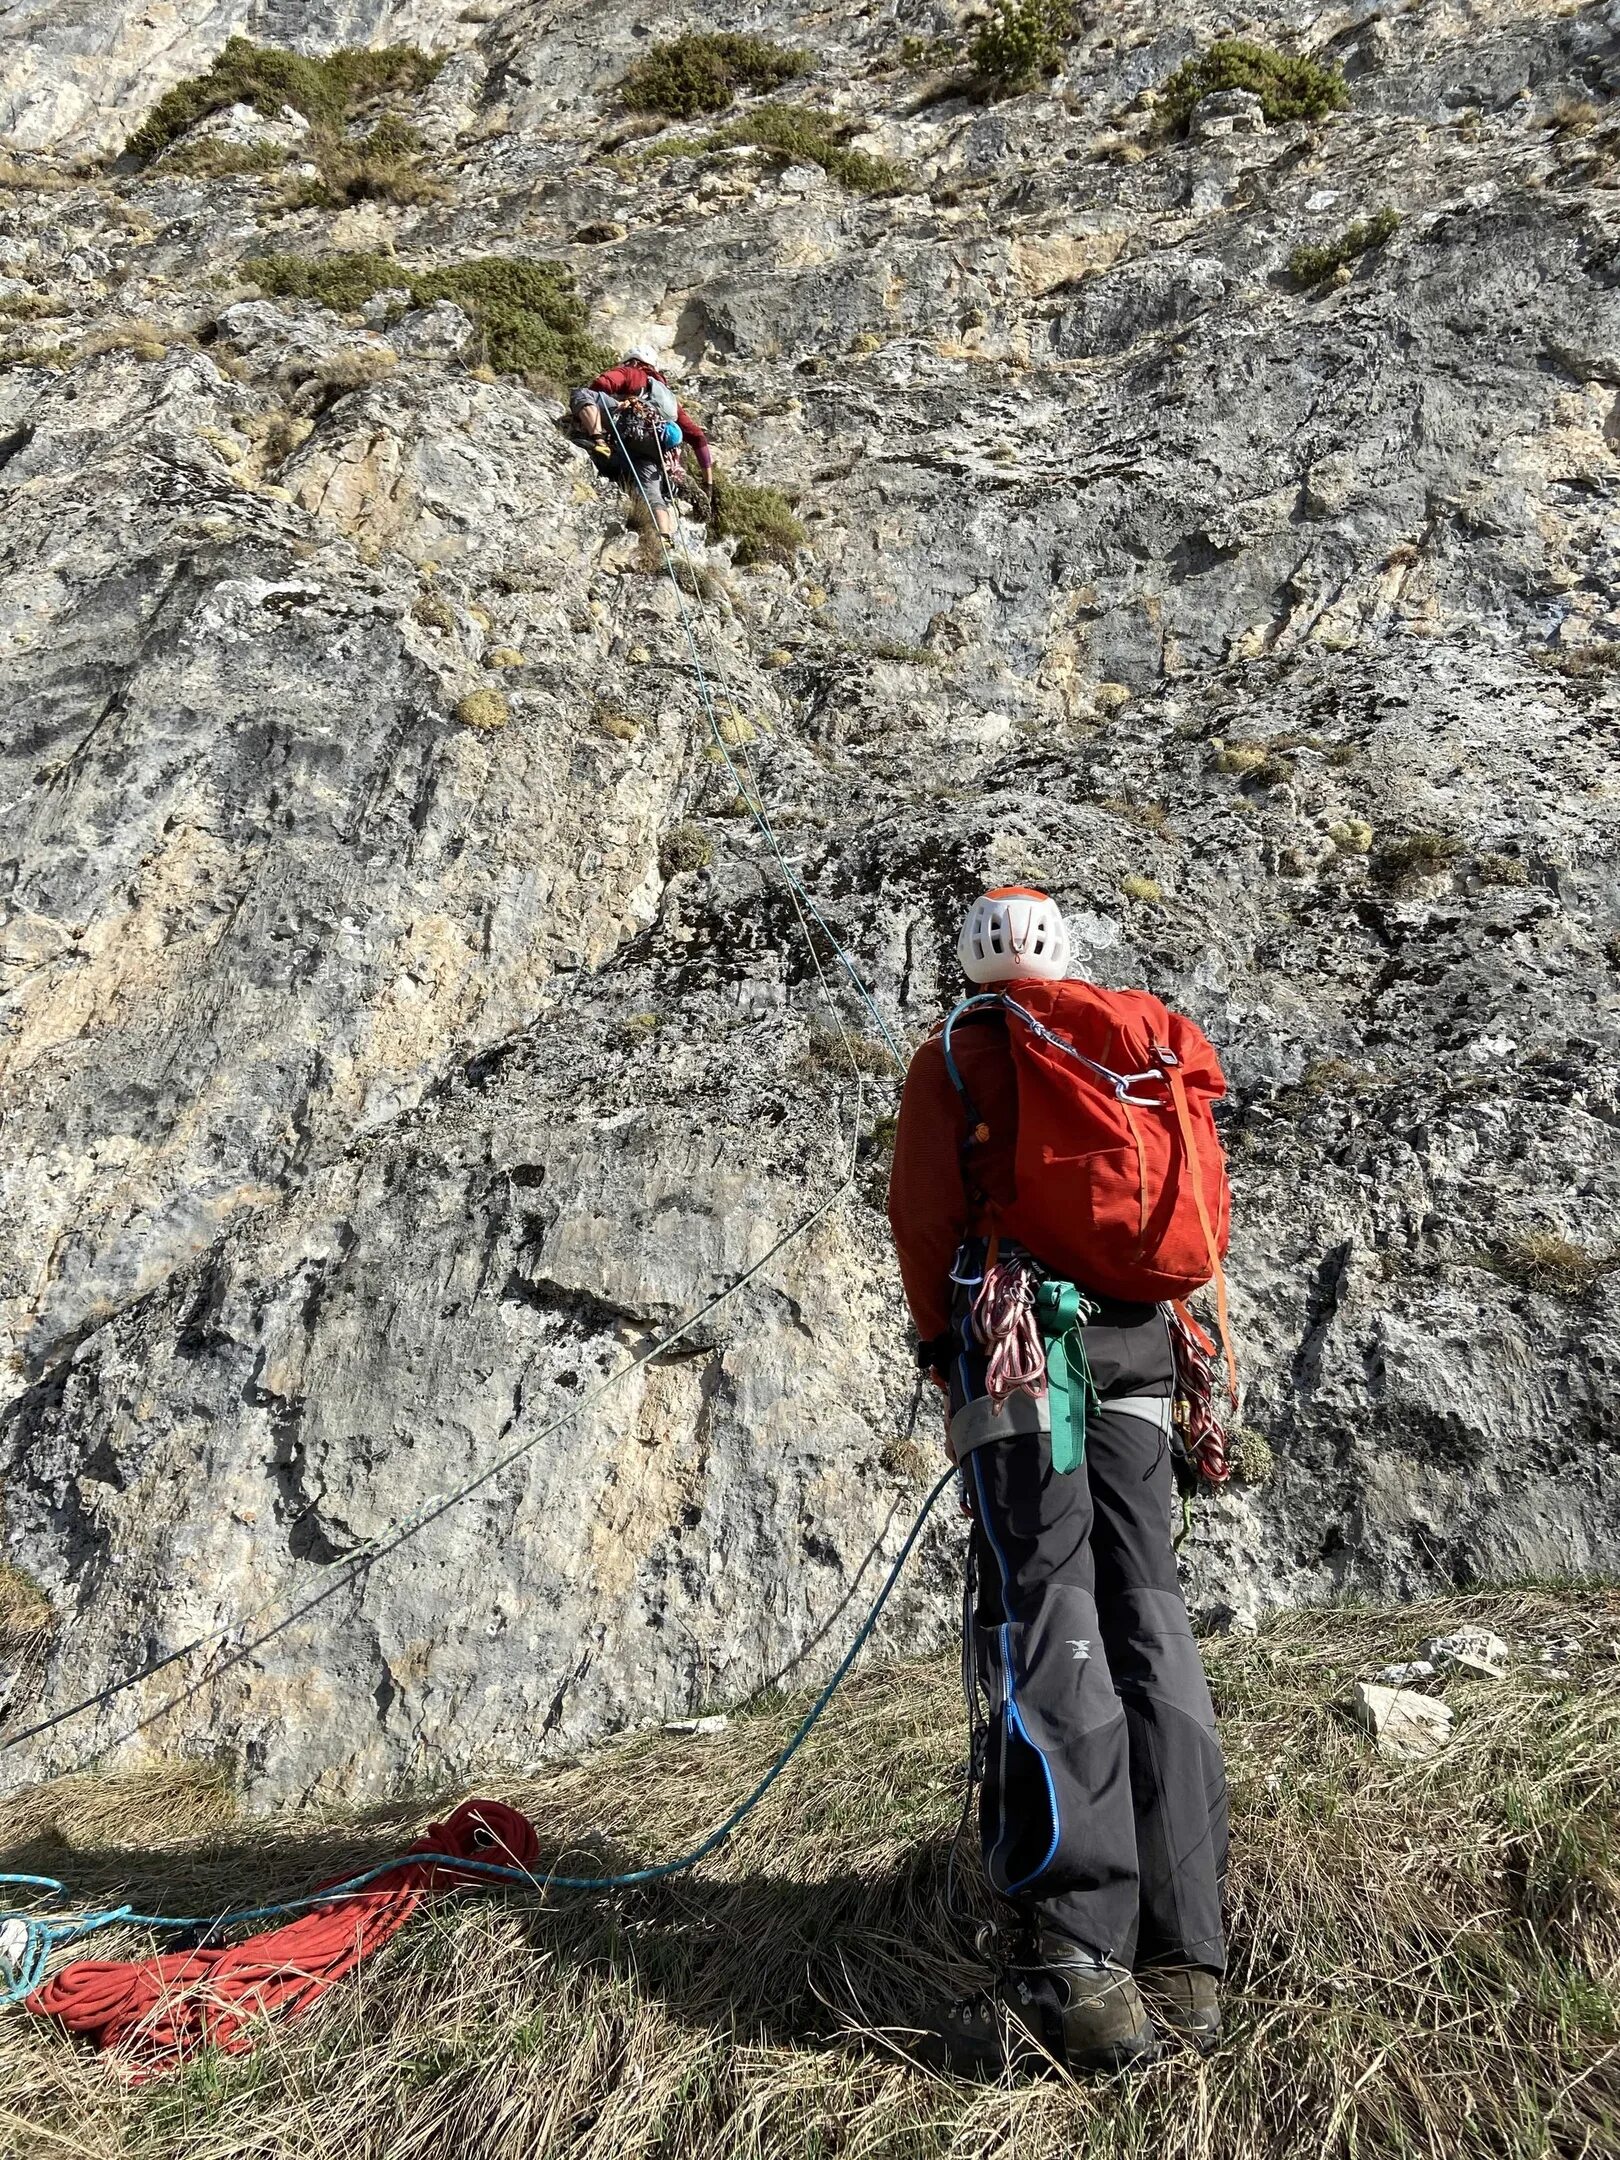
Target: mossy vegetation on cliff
[[1289, 86], [529, 318], [703, 71], [328, 91]]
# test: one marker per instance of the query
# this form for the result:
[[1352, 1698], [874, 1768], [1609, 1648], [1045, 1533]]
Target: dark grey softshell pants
[[1103, 1807]]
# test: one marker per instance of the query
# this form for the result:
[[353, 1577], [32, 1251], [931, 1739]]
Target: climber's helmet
[[1014, 934], [639, 356]]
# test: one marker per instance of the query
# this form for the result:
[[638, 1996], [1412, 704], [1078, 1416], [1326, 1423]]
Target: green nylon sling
[[1063, 1311]]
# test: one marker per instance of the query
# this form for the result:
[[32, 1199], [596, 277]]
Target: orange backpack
[[1120, 1178]]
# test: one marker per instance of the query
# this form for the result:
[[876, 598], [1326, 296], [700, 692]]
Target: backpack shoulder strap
[[977, 1132]]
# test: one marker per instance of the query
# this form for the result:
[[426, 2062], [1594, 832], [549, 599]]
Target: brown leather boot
[[1186, 2001], [1052, 2004]]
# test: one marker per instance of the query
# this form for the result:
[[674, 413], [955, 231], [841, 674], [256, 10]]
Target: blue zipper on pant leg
[[1014, 1716]]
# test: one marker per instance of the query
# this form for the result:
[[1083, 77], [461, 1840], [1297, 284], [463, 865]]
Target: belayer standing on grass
[[1057, 1181], [636, 426]]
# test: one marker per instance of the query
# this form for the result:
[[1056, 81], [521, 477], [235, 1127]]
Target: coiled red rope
[[1203, 1429], [156, 2011], [1007, 1329]]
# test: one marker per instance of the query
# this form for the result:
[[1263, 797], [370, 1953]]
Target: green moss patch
[[800, 135], [1288, 87], [703, 71], [327, 92], [530, 320]]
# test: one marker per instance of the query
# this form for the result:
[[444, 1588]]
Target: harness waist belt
[[1021, 1417]]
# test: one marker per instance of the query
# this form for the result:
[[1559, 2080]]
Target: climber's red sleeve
[[928, 1210], [620, 381], [696, 436]]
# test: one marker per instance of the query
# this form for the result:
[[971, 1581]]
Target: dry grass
[[1426, 1957]]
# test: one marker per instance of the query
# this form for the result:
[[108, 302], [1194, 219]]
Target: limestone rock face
[[404, 1025], [74, 79]]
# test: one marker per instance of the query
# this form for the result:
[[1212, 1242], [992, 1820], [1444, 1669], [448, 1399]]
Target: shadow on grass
[[762, 1958]]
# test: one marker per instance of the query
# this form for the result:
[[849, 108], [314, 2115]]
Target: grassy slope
[[1426, 1957]]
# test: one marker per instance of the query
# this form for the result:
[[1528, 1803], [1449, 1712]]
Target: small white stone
[[1404, 1725], [1471, 1649]]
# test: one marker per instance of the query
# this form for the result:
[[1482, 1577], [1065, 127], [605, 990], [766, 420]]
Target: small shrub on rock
[[1310, 265], [1021, 41], [1288, 86], [684, 847], [800, 135], [759, 519], [703, 71], [485, 710], [325, 91], [1416, 855], [529, 318]]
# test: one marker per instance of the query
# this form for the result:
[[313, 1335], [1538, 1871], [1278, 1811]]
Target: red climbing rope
[[156, 2011], [1203, 1429]]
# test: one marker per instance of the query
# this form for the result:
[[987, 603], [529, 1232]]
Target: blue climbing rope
[[40, 1937]]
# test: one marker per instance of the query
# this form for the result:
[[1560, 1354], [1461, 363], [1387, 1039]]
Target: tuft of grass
[[327, 92], [1557, 1266], [1019, 42], [1351, 836], [1415, 856], [486, 710], [759, 519], [529, 318], [1424, 1957], [800, 135], [684, 847], [1310, 265], [702, 72], [24, 1607], [212, 160], [1288, 86], [384, 166], [1144, 890]]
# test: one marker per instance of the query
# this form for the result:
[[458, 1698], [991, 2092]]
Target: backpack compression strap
[[1170, 1065]]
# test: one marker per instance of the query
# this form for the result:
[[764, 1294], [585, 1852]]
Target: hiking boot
[[1053, 2004], [1186, 2001]]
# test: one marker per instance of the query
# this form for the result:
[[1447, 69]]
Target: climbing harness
[[209, 1993]]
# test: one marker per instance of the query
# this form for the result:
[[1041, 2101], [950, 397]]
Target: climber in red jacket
[[1103, 1804], [634, 378], [635, 426]]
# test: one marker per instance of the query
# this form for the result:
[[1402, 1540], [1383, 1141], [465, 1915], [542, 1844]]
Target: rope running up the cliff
[[377, 1547]]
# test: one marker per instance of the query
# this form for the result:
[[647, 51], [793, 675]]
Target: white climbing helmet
[[639, 356], [1014, 933]]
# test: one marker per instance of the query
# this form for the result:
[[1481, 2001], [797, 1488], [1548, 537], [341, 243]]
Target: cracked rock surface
[[374, 1084]]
